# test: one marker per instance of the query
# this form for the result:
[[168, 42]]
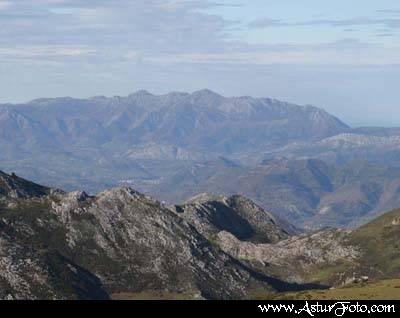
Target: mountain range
[[58, 245], [310, 192], [191, 123], [298, 161], [122, 244], [101, 138]]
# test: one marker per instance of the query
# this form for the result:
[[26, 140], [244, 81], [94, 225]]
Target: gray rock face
[[15, 187], [295, 256], [162, 250], [30, 273], [76, 246], [235, 214], [118, 241]]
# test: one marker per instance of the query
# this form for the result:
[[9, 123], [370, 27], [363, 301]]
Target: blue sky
[[341, 55]]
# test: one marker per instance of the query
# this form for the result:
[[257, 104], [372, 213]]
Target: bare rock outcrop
[[297, 255], [236, 214]]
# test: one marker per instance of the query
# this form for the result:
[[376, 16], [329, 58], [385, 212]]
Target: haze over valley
[[300, 162]]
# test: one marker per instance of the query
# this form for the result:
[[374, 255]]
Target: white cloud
[[393, 23], [160, 31], [5, 4], [43, 52], [343, 52]]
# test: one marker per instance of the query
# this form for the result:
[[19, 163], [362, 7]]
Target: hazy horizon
[[344, 58], [353, 124]]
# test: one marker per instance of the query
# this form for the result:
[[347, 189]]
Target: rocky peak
[[122, 193], [206, 93], [206, 97], [236, 214], [141, 93], [125, 242], [204, 198], [15, 187]]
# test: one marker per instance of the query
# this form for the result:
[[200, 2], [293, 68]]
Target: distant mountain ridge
[[179, 144], [310, 192], [201, 121]]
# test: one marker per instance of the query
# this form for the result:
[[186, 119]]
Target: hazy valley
[[243, 198], [298, 161]]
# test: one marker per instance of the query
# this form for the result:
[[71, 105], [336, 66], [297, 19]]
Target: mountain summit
[[110, 135], [75, 246]]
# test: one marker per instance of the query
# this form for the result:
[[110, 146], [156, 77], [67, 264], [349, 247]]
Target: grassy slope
[[151, 295], [379, 246], [380, 241], [382, 290]]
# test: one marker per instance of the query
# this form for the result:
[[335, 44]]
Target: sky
[[343, 56]]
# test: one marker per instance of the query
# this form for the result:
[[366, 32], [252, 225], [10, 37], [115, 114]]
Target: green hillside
[[382, 290]]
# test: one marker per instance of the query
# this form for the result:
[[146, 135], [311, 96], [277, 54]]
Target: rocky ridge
[[117, 241], [16, 187], [236, 214], [76, 246]]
